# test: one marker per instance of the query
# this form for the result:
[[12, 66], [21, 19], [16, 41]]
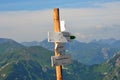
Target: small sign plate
[[59, 37], [61, 60], [60, 48], [62, 25]]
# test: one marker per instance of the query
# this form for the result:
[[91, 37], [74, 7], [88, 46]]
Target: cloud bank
[[86, 23]]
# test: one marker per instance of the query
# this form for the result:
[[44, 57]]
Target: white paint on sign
[[62, 25], [59, 37], [61, 60]]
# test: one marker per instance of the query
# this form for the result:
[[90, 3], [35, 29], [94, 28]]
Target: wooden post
[[57, 29]]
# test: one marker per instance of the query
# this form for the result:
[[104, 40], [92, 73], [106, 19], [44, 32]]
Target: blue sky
[[13, 5], [28, 20]]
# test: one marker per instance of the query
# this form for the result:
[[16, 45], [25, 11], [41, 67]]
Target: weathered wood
[[57, 29]]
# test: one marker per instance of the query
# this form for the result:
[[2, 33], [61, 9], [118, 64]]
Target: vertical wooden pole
[[57, 29]]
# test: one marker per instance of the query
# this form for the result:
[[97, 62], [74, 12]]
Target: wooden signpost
[[59, 37], [57, 29]]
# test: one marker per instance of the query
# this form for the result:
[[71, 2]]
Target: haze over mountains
[[18, 62]]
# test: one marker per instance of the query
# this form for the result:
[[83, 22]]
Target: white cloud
[[25, 25], [33, 25]]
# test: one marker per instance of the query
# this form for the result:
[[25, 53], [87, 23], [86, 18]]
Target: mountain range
[[94, 52], [18, 62]]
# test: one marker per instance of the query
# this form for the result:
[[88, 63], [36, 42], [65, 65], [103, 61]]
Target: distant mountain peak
[[3, 40], [9, 45]]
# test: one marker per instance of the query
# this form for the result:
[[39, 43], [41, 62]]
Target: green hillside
[[26, 64], [110, 69], [34, 63], [8, 45], [114, 68]]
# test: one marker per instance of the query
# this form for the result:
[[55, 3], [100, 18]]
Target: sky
[[31, 20]]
